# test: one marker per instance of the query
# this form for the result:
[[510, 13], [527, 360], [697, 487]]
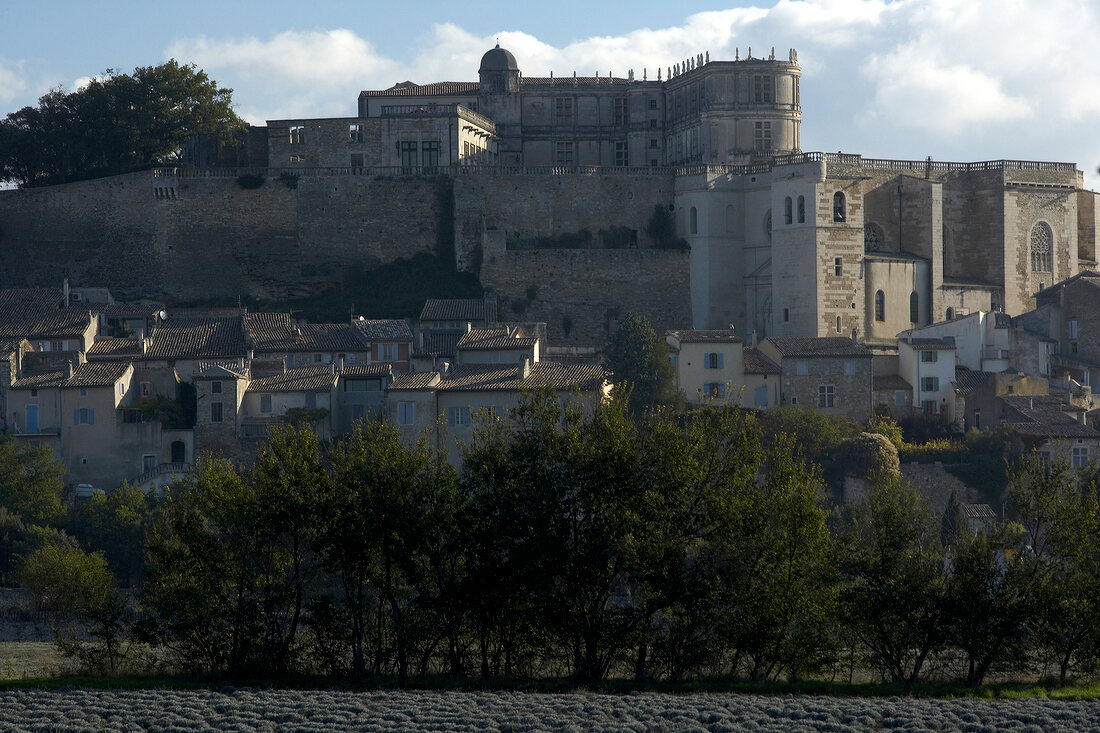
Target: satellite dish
[[163, 315]]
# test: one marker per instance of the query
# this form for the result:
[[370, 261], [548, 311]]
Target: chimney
[[68, 370], [469, 326], [65, 293], [420, 341], [525, 368], [752, 339]]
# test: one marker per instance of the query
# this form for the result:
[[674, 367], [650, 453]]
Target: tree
[[114, 124], [639, 363], [953, 525], [65, 580], [30, 482], [115, 525]]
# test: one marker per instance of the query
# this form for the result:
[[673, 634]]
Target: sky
[[958, 80]]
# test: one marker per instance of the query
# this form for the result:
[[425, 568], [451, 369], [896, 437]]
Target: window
[[840, 208], [950, 314], [788, 211], [802, 368], [838, 324], [762, 89], [563, 153], [713, 361], [977, 419], [621, 158], [786, 315], [914, 307], [265, 403], [929, 407], [929, 384], [1073, 329], [794, 399], [653, 142], [651, 103], [215, 412], [929, 357], [406, 413], [563, 111], [714, 389], [429, 153], [653, 124], [762, 137], [215, 387], [408, 154], [83, 392], [801, 209], [838, 266], [849, 368], [1042, 254], [311, 400], [693, 220], [84, 416], [761, 397], [880, 305], [387, 352], [146, 389], [825, 395], [355, 133], [458, 416], [1073, 347], [297, 134], [872, 237], [1080, 457], [121, 390], [899, 398], [618, 111]]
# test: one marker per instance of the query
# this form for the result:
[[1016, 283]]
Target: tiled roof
[[274, 333], [502, 338], [968, 380], [9, 346], [197, 338], [693, 336], [220, 370], [383, 329], [564, 82], [820, 347], [421, 380], [929, 344], [91, 374], [584, 377], [884, 382], [308, 379], [409, 89], [115, 348], [459, 309], [378, 369], [36, 313], [757, 363], [438, 344], [1044, 416], [979, 511], [135, 309]]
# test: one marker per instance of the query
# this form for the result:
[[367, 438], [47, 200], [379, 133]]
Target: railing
[[160, 470], [438, 110]]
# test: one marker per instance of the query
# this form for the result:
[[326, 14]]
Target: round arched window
[[872, 237], [1042, 248]]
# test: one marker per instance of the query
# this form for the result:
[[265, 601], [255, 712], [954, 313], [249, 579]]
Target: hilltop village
[[964, 293]]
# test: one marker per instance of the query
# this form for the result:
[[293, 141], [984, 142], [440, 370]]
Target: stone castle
[[553, 189]]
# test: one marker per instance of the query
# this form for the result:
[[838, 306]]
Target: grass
[[25, 660]]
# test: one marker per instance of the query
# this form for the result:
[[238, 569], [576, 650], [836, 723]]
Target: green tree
[[65, 580], [115, 525], [116, 123], [639, 362], [953, 525], [30, 482]]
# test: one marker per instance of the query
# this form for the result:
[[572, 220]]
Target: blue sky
[[954, 79]]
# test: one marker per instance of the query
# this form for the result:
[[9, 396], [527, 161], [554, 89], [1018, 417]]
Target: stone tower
[[499, 99]]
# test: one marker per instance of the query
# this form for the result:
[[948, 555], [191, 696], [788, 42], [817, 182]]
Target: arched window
[[838, 324], [839, 207], [950, 314], [914, 307], [801, 209], [788, 217], [872, 237], [880, 305], [1042, 250], [693, 217]]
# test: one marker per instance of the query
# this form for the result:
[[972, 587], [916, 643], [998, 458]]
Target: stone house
[[979, 403], [443, 321], [831, 375], [929, 365], [388, 341], [277, 344], [1065, 320], [763, 380], [309, 391], [503, 344], [709, 365], [892, 395], [1055, 429]]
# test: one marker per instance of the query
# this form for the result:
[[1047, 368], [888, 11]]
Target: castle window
[[618, 110], [693, 220], [1042, 254], [786, 315], [825, 395], [839, 207], [563, 153], [563, 111], [621, 158], [355, 133], [297, 134], [408, 154], [788, 214], [838, 324], [762, 137], [914, 307], [652, 142], [950, 314], [762, 86], [838, 266], [652, 103], [872, 237], [880, 305], [429, 153], [801, 209]]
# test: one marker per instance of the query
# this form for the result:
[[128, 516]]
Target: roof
[[36, 313], [438, 344], [410, 89], [378, 369], [829, 346], [459, 309], [90, 374], [274, 332], [502, 338], [968, 380], [757, 363], [197, 337], [115, 348], [421, 380], [383, 329], [498, 59], [220, 370], [886, 382], [693, 336], [494, 378], [308, 379], [979, 511], [928, 344], [1044, 416]]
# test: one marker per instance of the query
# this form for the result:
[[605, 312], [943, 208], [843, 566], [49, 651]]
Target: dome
[[498, 59]]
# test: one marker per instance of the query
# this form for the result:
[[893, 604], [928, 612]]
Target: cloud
[[12, 81]]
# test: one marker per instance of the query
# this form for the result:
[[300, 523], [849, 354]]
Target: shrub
[[868, 454]]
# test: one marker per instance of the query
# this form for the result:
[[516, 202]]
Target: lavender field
[[281, 710]]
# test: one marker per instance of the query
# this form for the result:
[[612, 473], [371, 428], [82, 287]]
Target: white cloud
[[12, 81]]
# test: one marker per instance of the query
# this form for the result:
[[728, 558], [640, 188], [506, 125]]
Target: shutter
[[721, 360], [91, 416], [76, 416]]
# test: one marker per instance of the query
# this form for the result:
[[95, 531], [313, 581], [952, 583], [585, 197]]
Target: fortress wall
[[588, 290]]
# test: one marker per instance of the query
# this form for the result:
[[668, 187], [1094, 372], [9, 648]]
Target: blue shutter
[[721, 360], [76, 416], [91, 416]]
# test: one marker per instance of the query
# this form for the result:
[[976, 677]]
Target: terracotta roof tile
[[885, 382], [115, 348], [377, 369], [308, 379], [409, 89], [459, 309], [198, 338], [502, 338], [383, 329], [829, 346], [757, 363], [91, 374], [438, 344], [420, 380], [275, 333], [585, 377], [1044, 416], [36, 313]]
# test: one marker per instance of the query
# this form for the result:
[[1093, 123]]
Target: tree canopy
[[638, 360], [114, 124]]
